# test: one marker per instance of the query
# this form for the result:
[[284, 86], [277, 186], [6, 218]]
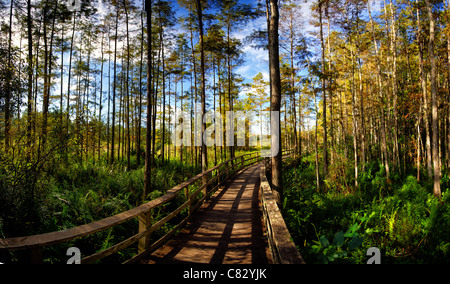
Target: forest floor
[[339, 223]]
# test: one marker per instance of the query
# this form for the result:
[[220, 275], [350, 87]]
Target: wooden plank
[[282, 247], [36, 242], [158, 243], [83, 230], [126, 243]]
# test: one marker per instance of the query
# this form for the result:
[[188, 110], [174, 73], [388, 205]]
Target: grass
[[70, 195], [61, 195], [337, 225]]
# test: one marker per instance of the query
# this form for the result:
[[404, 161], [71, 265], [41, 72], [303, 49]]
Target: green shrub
[[401, 217], [411, 190], [22, 189]]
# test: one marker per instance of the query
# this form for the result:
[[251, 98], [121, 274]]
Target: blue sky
[[256, 60]]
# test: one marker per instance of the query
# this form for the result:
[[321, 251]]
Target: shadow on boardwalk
[[226, 230]]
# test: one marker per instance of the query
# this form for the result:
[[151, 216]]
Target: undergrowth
[[337, 225], [59, 196]]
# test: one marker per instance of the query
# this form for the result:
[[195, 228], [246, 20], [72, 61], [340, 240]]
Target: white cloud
[[259, 55], [256, 60]]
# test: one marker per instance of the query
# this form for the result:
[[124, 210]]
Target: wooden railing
[[281, 246], [192, 192]]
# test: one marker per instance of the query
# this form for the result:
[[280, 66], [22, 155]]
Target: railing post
[[145, 222], [188, 198], [227, 170], [36, 255], [205, 183], [218, 175], [205, 190]]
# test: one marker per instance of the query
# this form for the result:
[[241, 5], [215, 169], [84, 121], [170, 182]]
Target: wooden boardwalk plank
[[226, 230]]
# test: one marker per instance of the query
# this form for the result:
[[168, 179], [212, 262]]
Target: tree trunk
[[381, 97], [69, 75], [127, 90], [47, 79], [315, 142], [434, 104], [148, 166], [194, 95], [101, 105], [447, 6], [361, 101], [113, 122], [62, 82], [145, 221], [275, 103], [330, 94], [423, 82], [202, 87], [164, 94], [45, 101], [30, 77], [393, 47], [297, 147], [214, 109], [325, 150], [8, 78], [138, 142], [230, 98], [354, 119], [355, 122], [448, 94]]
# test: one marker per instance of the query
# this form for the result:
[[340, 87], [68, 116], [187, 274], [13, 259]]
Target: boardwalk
[[226, 230]]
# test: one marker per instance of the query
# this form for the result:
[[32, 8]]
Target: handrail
[[282, 247], [37, 242]]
